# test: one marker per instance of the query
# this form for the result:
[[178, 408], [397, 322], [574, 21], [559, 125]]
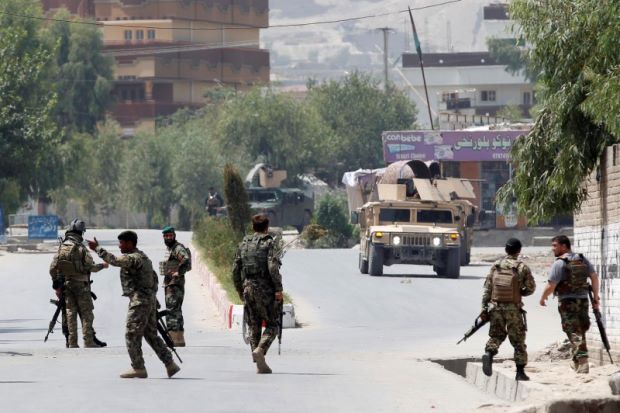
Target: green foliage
[[147, 179], [84, 74], [511, 113], [331, 228], [237, 201], [356, 111], [27, 133], [513, 54], [216, 242], [273, 128], [575, 45]]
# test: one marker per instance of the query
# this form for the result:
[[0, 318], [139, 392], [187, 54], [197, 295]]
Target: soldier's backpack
[[254, 256], [506, 288], [576, 278], [66, 260]]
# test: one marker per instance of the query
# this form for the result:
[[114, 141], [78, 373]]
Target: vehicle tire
[[363, 264], [452, 266], [375, 260], [464, 253]]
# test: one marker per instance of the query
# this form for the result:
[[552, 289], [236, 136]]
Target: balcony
[[128, 113], [458, 103]]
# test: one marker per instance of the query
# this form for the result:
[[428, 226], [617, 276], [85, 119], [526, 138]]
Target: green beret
[[167, 230]]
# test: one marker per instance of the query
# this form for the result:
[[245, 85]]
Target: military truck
[[411, 215], [284, 206]]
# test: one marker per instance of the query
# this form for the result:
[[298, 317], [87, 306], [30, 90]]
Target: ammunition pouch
[[168, 267]]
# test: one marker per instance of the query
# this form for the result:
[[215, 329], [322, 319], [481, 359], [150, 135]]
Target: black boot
[[487, 363], [521, 376]]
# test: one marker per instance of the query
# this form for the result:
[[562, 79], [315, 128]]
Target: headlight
[[396, 240], [379, 234], [436, 241]]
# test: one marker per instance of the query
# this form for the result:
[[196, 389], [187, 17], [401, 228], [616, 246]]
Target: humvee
[[416, 220], [283, 206]]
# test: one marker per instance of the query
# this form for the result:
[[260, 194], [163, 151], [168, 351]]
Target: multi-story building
[[468, 83], [169, 52]]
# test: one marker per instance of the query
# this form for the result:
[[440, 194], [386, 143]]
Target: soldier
[[139, 283], [256, 273], [213, 202], [70, 271], [509, 280], [568, 279], [177, 262]]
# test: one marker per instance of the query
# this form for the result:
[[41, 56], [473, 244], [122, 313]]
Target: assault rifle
[[163, 332], [601, 327], [478, 323]]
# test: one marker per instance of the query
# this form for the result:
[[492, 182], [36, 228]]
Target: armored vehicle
[[284, 206], [413, 216]]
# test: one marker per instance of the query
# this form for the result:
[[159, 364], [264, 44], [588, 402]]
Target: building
[[468, 83], [169, 52]]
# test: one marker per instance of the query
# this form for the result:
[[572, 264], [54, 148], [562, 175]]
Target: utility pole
[[386, 32]]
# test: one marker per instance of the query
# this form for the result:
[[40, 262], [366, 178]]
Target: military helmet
[[77, 225]]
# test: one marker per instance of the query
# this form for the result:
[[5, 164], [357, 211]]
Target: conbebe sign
[[448, 145]]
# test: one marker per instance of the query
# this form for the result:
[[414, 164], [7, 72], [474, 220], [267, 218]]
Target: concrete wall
[[597, 235]]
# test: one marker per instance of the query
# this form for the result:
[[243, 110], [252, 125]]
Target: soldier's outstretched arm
[[124, 261]]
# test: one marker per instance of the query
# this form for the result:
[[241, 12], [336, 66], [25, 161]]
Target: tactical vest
[[506, 288], [255, 256], [576, 276], [69, 264], [171, 263], [141, 279]]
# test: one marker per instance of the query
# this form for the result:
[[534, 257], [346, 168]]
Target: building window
[[139, 34], [151, 34], [128, 35], [487, 96], [449, 96], [527, 98], [451, 169]]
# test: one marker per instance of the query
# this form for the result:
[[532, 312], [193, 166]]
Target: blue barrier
[[42, 227]]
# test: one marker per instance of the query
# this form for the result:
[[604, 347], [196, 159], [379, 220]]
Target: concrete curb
[[231, 315], [594, 405], [217, 293], [501, 383]]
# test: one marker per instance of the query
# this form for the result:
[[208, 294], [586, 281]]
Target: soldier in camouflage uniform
[[509, 280], [568, 280], [70, 271], [139, 283], [177, 262], [256, 273]]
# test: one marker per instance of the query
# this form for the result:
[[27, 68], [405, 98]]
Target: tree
[[28, 138], [237, 201], [513, 54], [84, 73], [273, 128], [575, 46], [511, 113], [358, 110]]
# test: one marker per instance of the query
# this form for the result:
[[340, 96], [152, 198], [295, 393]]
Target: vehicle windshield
[[433, 216], [395, 215], [263, 196]]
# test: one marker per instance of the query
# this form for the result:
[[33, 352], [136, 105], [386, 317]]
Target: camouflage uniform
[[257, 284], [177, 260], [506, 318], [70, 269], [139, 283]]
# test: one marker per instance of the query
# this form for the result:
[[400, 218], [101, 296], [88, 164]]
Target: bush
[[331, 228]]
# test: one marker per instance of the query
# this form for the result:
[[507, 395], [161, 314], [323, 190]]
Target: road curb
[[500, 384], [230, 314]]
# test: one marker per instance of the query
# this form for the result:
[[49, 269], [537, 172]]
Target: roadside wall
[[597, 235]]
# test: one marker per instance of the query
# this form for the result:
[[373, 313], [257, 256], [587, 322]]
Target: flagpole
[[418, 48]]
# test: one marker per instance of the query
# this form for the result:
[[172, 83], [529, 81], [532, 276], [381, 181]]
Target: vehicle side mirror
[[355, 217], [457, 218], [471, 220]]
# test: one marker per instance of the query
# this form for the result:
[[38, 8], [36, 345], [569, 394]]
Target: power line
[[274, 26]]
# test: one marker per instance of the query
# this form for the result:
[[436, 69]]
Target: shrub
[[331, 228]]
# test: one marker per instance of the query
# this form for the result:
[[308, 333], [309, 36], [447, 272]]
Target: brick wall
[[597, 235]]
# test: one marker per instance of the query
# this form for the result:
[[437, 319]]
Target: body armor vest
[[576, 278], [141, 279], [506, 288], [69, 263], [255, 256]]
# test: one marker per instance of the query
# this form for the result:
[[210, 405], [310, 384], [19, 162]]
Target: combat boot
[[134, 374], [172, 369], [487, 363], [261, 365], [178, 338], [73, 345], [521, 376], [583, 367], [90, 343]]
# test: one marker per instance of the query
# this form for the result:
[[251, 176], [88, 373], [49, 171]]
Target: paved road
[[364, 345]]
